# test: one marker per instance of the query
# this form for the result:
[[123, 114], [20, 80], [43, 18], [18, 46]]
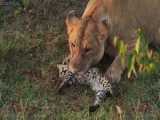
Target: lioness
[[91, 36]]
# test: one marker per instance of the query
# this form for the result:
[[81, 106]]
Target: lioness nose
[[75, 64]]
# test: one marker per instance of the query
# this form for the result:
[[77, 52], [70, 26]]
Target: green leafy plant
[[140, 59]]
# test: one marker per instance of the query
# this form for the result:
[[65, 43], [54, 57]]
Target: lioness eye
[[87, 50]]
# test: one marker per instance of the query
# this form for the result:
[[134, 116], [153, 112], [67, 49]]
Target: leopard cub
[[93, 78]]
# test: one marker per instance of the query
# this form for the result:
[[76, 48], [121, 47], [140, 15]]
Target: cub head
[[86, 37]]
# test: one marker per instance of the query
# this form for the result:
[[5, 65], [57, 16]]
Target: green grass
[[29, 52]]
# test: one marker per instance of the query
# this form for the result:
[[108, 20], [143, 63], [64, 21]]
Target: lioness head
[[86, 37]]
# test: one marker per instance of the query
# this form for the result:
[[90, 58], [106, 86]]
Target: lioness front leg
[[119, 64], [115, 71]]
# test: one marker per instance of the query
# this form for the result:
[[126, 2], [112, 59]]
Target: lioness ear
[[71, 20], [103, 29]]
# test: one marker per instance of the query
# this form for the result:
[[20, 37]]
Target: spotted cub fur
[[93, 78]]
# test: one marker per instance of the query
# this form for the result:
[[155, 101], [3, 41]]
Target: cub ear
[[71, 20]]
